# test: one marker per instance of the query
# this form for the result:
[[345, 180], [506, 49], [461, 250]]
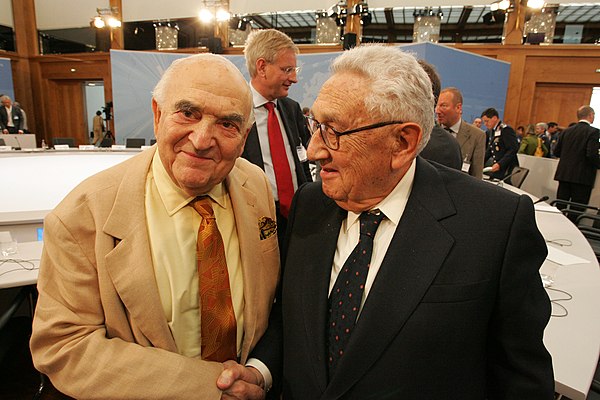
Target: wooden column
[[221, 28], [353, 24], [514, 24], [116, 34], [26, 39]]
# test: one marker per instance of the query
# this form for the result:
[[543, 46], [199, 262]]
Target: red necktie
[[283, 175], [217, 318]]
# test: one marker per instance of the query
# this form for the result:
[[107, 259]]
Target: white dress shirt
[[393, 207], [261, 115]]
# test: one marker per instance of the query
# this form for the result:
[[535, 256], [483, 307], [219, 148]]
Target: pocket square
[[267, 227]]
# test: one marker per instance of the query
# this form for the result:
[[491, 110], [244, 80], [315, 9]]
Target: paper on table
[[546, 208], [563, 258]]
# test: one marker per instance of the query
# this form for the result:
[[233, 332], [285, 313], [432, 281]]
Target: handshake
[[241, 382]]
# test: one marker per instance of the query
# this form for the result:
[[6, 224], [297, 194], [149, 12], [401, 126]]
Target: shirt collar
[[393, 204], [172, 196], [258, 99], [585, 120], [456, 127]]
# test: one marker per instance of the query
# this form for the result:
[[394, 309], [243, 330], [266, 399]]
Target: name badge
[[465, 166], [301, 153]]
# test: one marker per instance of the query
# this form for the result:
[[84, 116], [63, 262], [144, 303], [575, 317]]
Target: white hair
[[400, 89]]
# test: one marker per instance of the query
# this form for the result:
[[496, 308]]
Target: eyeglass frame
[[308, 119], [289, 70]]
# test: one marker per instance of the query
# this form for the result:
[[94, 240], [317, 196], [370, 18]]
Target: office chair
[[573, 210], [64, 140], [135, 142], [106, 142], [518, 176], [2, 142], [590, 231], [152, 141]]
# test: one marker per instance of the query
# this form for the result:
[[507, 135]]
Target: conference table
[[570, 271]]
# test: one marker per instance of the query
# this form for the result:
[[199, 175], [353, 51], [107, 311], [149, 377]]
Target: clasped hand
[[240, 382]]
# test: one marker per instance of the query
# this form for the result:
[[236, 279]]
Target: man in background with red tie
[[159, 274], [277, 141]]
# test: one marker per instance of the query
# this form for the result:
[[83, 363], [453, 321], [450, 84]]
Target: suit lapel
[[243, 201], [252, 151], [292, 133], [315, 286], [129, 264], [463, 135], [417, 251]]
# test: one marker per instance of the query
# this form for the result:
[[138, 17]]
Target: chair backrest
[[518, 176], [106, 142], [64, 140], [135, 142], [2, 142], [152, 141]]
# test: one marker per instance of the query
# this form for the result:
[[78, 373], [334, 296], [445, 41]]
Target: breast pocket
[[455, 293]]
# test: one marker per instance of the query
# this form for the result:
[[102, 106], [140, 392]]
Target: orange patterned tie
[[217, 318]]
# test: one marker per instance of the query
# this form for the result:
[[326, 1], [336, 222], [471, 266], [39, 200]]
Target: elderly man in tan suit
[[120, 311], [471, 139]]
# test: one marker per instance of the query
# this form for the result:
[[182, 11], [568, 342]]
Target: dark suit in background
[[451, 303], [297, 134], [577, 148], [443, 148], [17, 117], [502, 149]]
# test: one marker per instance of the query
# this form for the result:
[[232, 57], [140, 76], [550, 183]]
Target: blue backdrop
[[483, 81], [6, 78]]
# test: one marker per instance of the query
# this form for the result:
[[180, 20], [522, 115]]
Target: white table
[[21, 269], [573, 340]]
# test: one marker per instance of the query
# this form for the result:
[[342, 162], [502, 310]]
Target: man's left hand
[[495, 167], [240, 382]]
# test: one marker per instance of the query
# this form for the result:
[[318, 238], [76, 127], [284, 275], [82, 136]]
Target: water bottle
[[44, 146]]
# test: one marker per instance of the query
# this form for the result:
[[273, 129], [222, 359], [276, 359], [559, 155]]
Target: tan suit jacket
[[99, 330], [472, 146]]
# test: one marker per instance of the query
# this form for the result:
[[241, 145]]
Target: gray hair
[[160, 89], [266, 43], [400, 88], [584, 111], [542, 125]]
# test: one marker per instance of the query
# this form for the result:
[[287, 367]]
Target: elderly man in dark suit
[[393, 286], [277, 141], [577, 148], [11, 116]]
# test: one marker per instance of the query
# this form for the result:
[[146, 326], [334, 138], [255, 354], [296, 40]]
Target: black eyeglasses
[[331, 137]]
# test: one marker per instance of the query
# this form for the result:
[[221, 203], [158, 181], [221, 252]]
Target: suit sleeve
[[70, 342], [519, 366], [558, 146], [304, 138], [269, 349], [509, 137], [591, 151], [478, 155]]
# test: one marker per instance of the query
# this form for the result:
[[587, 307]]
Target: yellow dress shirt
[[173, 230]]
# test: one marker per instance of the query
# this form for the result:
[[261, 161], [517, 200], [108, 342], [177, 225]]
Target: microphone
[[18, 143], [544, 198], [506, 177]]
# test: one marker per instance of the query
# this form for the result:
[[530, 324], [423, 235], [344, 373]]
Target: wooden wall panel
[[559, 102], [68, 120]]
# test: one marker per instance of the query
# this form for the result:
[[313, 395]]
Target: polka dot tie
[[346, 296]]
